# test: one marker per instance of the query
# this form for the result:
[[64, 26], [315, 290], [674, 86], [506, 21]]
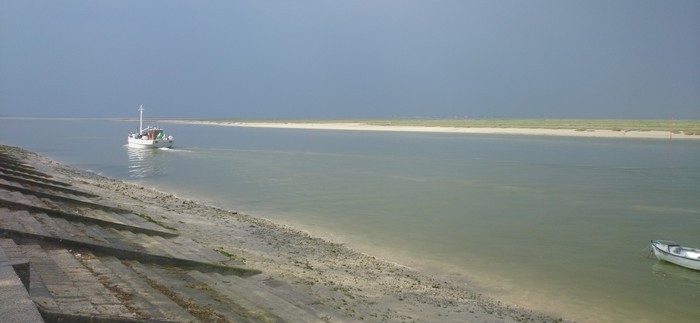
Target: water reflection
[[665, 271], [147, 162]]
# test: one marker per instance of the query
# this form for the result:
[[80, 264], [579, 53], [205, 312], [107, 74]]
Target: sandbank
[[598, 133], [362, 286]]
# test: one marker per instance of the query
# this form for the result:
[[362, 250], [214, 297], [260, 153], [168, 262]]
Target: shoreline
[[360, 285], [357, 126]]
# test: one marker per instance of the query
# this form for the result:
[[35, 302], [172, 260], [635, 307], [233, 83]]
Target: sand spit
[[360, 286], [495, 131]]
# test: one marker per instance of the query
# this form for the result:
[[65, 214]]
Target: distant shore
[[507, 130]]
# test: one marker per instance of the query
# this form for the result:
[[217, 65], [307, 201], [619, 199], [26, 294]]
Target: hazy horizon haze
[[351, 59]]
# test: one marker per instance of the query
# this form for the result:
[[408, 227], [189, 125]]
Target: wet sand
[[362, 286], [499, 131]]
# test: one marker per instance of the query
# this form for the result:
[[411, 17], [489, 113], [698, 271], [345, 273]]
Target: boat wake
[[175, 150]]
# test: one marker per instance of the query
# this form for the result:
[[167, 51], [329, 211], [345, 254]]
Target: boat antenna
[[140, 119]]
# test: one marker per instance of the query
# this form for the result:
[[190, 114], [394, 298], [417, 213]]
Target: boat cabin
[[152, 134]]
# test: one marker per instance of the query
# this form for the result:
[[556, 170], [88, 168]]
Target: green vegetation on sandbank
[[678, 126], [688, 127]]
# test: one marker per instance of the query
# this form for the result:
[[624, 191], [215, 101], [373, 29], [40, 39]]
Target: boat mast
[[140, 119]]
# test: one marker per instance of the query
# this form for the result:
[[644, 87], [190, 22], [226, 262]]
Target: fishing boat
[[149, 137], [676, 254]]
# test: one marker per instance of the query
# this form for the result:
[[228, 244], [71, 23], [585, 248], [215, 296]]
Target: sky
[[351, 59]]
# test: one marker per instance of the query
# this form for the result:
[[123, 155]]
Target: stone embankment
[[67, 255]]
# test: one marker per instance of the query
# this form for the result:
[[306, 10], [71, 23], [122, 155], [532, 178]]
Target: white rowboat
[[676, 254]]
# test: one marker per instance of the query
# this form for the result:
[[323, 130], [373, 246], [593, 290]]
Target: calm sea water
[[558, 224]]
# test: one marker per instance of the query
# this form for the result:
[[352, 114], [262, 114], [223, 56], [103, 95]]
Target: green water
[[557, 224]]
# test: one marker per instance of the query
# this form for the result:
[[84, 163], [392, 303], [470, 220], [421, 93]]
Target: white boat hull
[[676, 254], [145, 143]]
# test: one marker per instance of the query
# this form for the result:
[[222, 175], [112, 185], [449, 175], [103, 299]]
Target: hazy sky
[[351, 58]]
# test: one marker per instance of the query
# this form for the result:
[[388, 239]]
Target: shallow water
[[558, 224]]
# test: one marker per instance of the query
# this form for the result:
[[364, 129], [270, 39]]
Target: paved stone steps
[[8, 221], [145, 300], [156, 245], [17, 200], [112, 216], [41, 225], [11, 250], [4, 181], [68, 204], [57, 206], [69, 231], [124, 218], [30, 224], [24, 223], [32, 200], [137, 245], [297, 297], [38, 184], [20, 167], [166, 247], [114, 239], [77, 286], [206, 304], [10, 160], [20, 198], [35, 178], [66, 230], [42, 192], [60, 194], [258, 299], [65, 295], [133, 219], [188, 247], [5, 194], [15, 304], [13, 195], [139, 242], [82, 232], [28, 200], [169, 246], [39, 202], [94, 233], [11, 255], [38, 291], [136, 220], [177, 247], [56, 227], [117, 287], [80, 285], [100, 214], [88, 285]]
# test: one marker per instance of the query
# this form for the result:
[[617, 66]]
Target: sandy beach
[[460, 130], [362, 286]]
